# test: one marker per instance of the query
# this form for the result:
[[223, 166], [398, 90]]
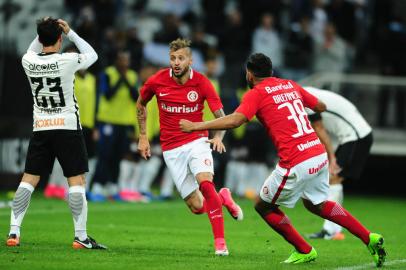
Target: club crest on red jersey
[[192, 96]]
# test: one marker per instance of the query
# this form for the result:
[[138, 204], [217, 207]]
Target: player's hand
[[186, 125], [333, 167], [217, 145], [143, 147], [64, 25]]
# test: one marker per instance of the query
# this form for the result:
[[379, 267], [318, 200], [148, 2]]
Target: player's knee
[[204, 176], [262, 208], [315, 209]]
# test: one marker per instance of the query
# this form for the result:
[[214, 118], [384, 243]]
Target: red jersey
[[178, 102], [279, 106]]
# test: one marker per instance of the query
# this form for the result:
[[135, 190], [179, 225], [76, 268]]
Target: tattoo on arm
[[219, 133], [142, 117]]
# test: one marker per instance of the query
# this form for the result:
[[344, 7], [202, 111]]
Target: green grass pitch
[[164, 235]]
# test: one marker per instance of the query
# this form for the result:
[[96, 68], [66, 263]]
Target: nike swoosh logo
[[214, 211], [163, 94], [89, 245]]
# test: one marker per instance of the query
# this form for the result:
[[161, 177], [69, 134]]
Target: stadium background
[[369, 70]]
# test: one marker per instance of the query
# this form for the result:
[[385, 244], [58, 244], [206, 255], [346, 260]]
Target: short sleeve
[[212, 98], [249, 104], [147, 91], [308, 99]]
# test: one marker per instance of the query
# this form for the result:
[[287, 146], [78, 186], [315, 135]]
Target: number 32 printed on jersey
[[298, 114], [52, 85]]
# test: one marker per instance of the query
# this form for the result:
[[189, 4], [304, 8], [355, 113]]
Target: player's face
[[180, 61], [250, 78]]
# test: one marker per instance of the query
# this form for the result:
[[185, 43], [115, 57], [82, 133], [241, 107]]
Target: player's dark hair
[[48, 31], [260, 65]]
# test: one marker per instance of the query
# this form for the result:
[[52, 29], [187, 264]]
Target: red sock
[[201, 210], [281, 224], [337, 214], [213, 208]]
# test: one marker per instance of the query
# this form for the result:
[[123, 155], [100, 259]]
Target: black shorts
[[352, 156], [68, 146], [89, 141]]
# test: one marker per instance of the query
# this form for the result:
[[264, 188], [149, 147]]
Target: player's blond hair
[[179, 43]]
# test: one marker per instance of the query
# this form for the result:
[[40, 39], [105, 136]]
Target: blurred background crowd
[[304, 38]]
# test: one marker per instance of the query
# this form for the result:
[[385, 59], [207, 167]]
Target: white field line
[[371, 265]]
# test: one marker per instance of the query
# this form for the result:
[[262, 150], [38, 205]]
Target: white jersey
[[51, 76], [341, 118]]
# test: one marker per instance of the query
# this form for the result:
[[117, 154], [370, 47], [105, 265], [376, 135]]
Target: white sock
[[149, 171], [78, 206], [126, 174], [20, 205], [336, 195], [167, 184]]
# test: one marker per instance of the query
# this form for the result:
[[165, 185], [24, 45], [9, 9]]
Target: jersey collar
[[44, 54]]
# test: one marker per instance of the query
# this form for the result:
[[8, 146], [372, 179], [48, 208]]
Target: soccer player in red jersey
[[180, 93], [302, 171]]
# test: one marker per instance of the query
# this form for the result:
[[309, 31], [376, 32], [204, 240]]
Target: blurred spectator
[[135, 47], [203, 42], [169, 31], [342, 14], [319, 20], [299, 50], [330, 52], [266, 40], [393, 63], [214, 15], [235, 44], [116, 119]]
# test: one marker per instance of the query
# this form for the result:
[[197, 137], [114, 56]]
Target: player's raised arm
[[87, 54], [230, 121], [35, 46], [143, 144]]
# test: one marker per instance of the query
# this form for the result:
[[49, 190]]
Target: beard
[[181, 74], [250, 83]]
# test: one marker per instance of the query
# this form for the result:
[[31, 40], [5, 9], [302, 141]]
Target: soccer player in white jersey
[[343, 121], [57, 131]]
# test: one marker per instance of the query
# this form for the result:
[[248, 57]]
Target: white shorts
[[186, 161], [308, 179]]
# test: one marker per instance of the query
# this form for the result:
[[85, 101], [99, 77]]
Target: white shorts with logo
[[186, 161], [308, 179]]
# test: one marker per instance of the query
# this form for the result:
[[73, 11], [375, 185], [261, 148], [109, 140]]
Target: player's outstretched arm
[[230, 121], [320, 107], [89, 54], [144, 147]]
